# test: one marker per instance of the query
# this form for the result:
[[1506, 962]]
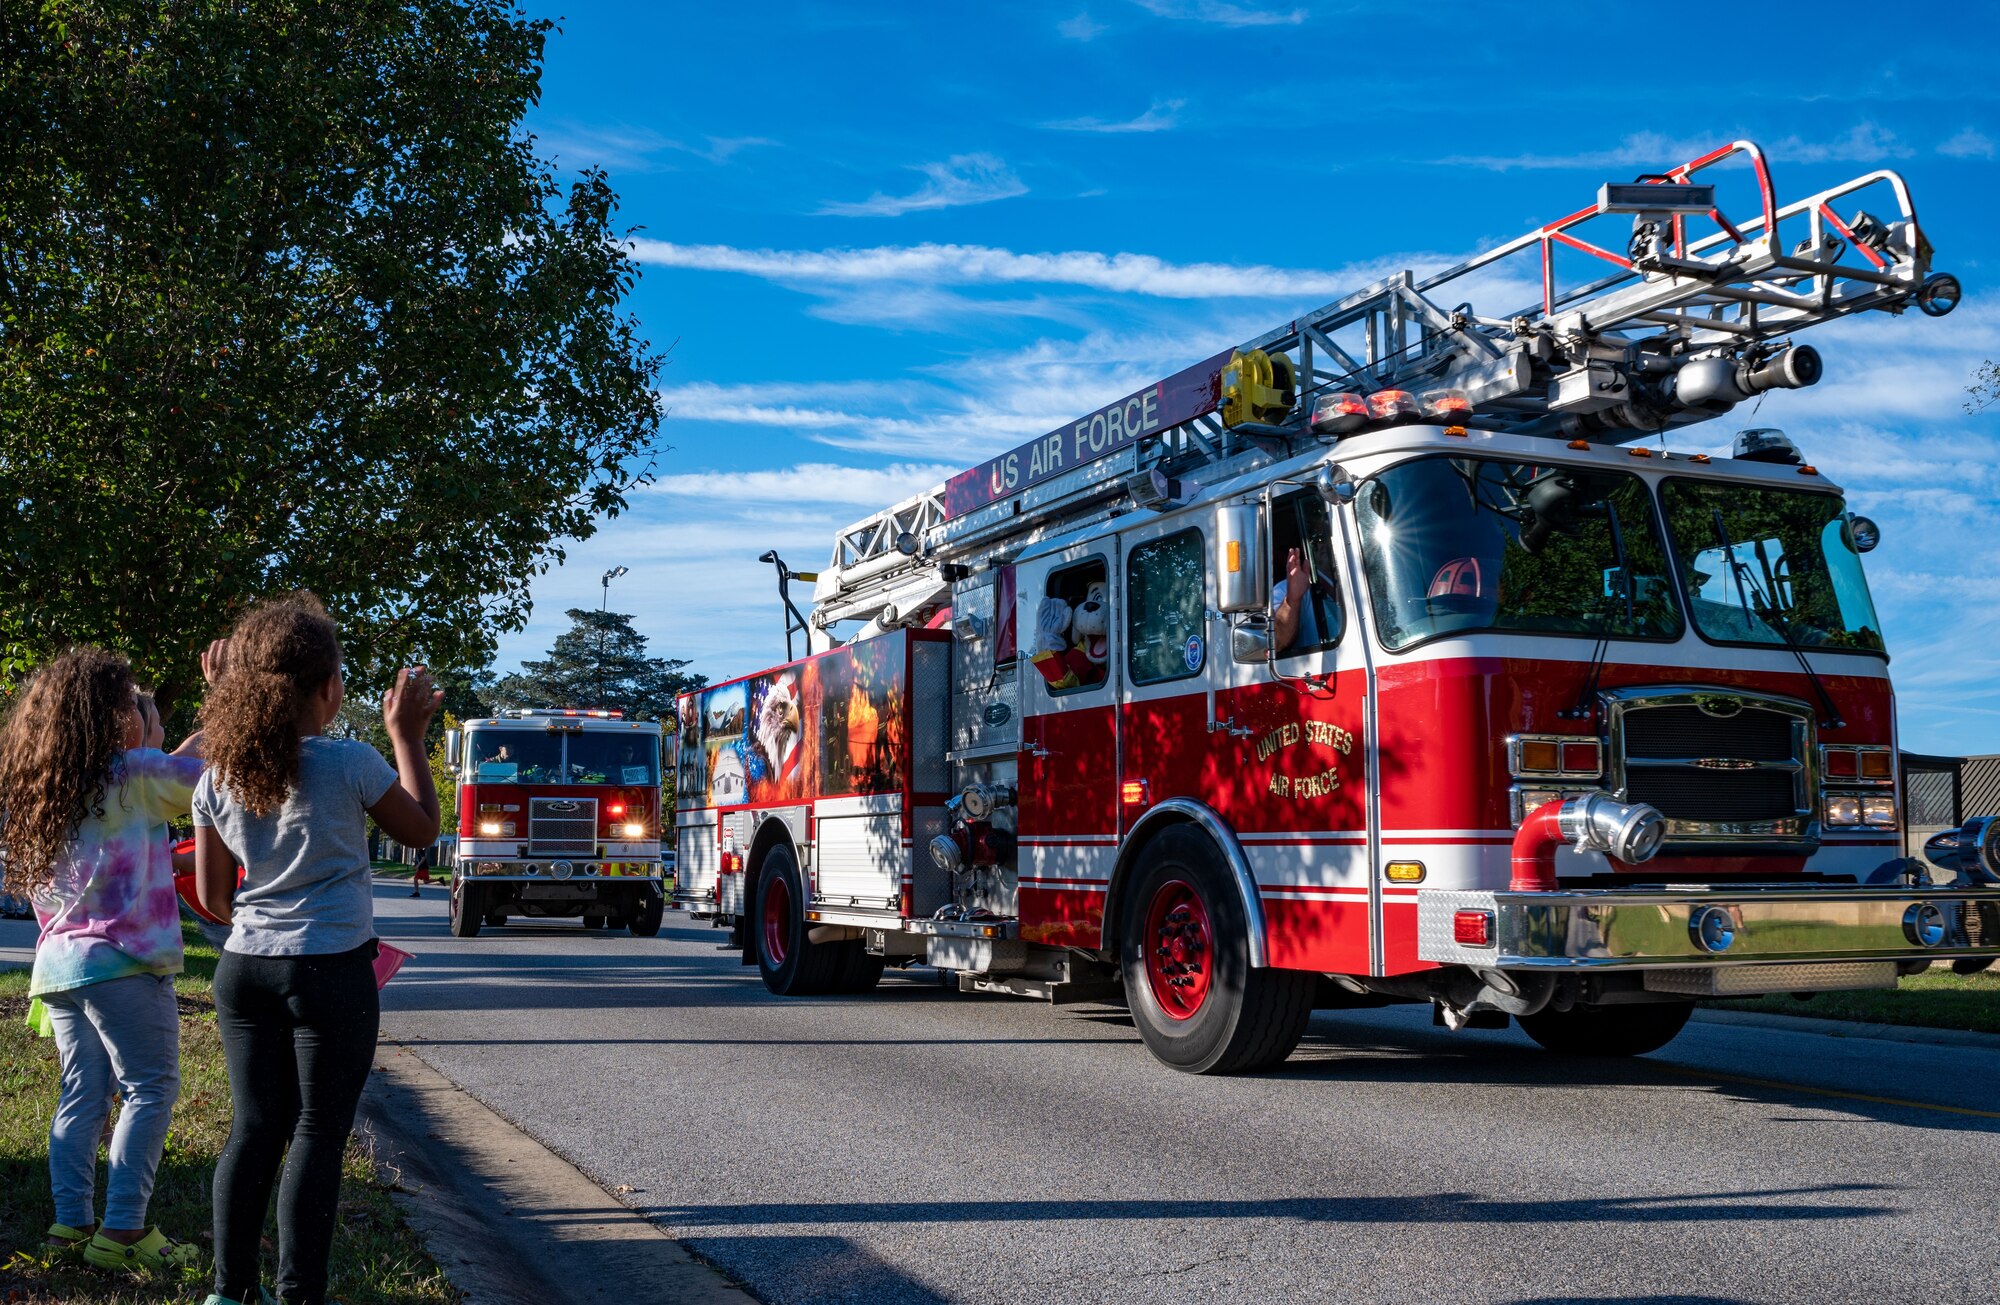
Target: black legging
[[299, 1035]]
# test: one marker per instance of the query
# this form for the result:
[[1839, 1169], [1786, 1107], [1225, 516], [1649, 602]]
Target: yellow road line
[[1827, 1092]]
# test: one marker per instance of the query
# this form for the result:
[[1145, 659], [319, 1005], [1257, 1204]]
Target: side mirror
[[1863, 533], [452, 740], [1239, 571], [1250, 641], [1334, 485]]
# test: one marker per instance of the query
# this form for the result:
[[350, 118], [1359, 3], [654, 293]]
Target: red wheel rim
[[777, 919], [1180, 949]]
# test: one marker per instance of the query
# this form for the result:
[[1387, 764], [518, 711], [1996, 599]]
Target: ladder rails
[[1679, 331]]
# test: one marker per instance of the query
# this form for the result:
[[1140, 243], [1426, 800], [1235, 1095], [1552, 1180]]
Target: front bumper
[[581, 872], [1678, 927]]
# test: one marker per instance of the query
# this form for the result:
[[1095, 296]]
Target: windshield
[[1459, 544], [514, 756], [602, 758], [1762, 563]]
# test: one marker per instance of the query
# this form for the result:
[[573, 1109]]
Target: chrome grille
[[1726, 768], [1753, 734], [562, 826]]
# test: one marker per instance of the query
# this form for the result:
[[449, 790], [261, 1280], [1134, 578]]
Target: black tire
[[859, 972], [467, 907], [1246, 1019], [645, 915], [1608, 1030], [791, 966]]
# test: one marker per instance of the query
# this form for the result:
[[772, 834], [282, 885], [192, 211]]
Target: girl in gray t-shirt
[[295, 991]]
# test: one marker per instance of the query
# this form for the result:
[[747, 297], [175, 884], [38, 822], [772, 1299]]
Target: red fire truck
[[558, 815], [1397, 654]]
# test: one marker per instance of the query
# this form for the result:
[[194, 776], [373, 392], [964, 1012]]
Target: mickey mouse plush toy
[[1072, 644]]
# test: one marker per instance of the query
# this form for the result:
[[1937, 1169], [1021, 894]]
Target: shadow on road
[[1788, 1203], [1374, 1047]]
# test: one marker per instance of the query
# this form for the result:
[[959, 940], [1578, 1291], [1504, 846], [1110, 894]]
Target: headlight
[[1879, 811], [634, 830], [490, 828], [1843, 810], [1526, 801]]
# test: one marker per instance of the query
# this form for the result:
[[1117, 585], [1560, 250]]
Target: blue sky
[[888, 241]]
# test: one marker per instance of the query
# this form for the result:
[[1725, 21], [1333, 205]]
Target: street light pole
[[603, 605]]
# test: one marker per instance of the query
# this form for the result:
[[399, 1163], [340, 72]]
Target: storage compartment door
[[859, 855]]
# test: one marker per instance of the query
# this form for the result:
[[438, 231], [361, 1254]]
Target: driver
[[1294, 621]]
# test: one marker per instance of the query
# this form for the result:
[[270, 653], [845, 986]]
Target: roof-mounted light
[[1765, 444], [1452, 406], [1339, 414], [1393, 405]]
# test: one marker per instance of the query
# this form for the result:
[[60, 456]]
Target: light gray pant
[[124, 1033]]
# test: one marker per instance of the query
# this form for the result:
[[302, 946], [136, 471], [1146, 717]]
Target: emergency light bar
[[1653, 197], [595, 713]]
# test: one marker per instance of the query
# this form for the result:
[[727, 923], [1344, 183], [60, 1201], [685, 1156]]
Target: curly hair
[[281, 653], [59, 757]]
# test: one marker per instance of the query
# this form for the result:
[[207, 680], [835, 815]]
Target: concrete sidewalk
[[508, 1220]]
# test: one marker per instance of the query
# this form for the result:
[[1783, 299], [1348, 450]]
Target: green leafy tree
[[600, 661], [444, 779], [287, 299], [1985, 387]]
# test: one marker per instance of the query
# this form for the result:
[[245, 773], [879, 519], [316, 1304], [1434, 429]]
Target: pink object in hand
[[387, 961]]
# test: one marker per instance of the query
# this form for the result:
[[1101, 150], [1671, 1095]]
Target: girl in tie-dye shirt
[[84, 841]]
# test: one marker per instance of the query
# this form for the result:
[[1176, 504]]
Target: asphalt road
[[915, 1145]]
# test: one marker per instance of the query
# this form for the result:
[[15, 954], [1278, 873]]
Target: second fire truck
[[1398, 654], [558, 816]]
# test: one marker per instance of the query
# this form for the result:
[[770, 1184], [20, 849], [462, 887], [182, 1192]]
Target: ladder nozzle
[[1724, 382]]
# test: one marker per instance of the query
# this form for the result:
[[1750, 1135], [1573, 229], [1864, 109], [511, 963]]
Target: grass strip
[[377, 1259]]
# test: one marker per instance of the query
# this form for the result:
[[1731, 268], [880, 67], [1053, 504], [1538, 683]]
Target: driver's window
[[1306, 611], [1072, 640]]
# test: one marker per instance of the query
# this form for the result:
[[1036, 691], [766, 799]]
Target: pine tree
[[600, 661]]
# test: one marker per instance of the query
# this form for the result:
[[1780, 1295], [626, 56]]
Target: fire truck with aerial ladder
[[558, 816], [1392, 655]]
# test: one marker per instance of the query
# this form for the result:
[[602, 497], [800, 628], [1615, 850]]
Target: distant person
[[87, 793], [421, 875], [295, 990]]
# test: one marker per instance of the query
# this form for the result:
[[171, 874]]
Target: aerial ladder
[[1678, 329]]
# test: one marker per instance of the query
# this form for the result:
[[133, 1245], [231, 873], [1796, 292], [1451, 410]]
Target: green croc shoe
[[155, 1251], [63, 1239], [263, 1298]]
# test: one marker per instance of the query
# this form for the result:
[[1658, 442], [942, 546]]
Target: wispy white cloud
[[962, 422], [1865, 142], [985, 265], [1081, 28], [1969, 143], [914, 306], [962, 179], [1222, 13], [620, 147], [808, 483], [1163, 115]]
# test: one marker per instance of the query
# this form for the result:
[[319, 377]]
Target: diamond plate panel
[[1742, 980], [930, 708], [930, 887]]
